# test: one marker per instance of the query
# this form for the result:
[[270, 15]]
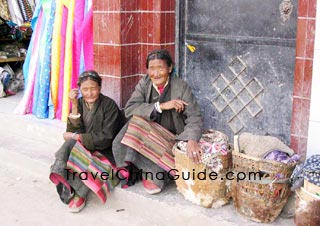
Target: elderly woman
[[163, 110], [92, 125]]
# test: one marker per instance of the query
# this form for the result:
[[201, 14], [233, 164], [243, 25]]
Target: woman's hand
[[69, 135], [194, 151], [73, 95], [176, 104]]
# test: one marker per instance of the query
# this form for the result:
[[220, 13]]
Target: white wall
[[314, 120]]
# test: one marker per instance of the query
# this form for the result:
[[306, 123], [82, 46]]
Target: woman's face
[[159, 72], [90, 91]]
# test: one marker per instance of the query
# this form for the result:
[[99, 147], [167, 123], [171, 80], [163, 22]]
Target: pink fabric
[[83, 38], [160, 88], [56, 179], [88, 40], [25, 104], [61, 78], [77, 40]]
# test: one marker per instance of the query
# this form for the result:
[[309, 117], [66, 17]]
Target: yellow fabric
[[68, 60], [55, 57]]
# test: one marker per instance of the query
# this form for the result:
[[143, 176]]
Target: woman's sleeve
[[138, 103], [112, 122], [193, 118]]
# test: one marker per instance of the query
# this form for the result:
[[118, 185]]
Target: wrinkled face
[[159, 72], [90, 91]]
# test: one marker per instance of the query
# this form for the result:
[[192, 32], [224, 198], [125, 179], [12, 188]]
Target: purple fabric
[[281, 156]]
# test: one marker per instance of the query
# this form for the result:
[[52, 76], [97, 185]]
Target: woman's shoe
[[150, 187], [66, 194], [77, 203]]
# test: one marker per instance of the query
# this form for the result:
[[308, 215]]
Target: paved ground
[[28, 198]]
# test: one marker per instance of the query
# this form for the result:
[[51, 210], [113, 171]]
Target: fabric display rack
[[15, 34]]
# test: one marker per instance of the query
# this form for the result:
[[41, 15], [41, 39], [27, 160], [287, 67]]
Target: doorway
[[239, 58]]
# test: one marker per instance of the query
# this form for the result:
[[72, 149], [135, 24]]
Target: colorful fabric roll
[[77, 40], [32, 4], [61, 74], [82, 43], [30, 65], [87, 28], [68, 60], [93, 165], [56, 56], [42, 83], [152, 141], [15, 12], [25, 10], [28, 9]]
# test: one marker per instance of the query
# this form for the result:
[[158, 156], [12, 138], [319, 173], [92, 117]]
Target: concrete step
[[28, 145]]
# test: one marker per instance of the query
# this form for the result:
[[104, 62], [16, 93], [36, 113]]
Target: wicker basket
[[307, 210], [310, 187], [260, 200], [207, 193]]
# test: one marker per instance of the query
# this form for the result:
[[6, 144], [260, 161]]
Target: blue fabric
[[31, 45], [38, 69], [42, 83], [310, 171]]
